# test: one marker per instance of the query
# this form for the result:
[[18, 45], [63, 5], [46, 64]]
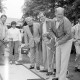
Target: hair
[[3, 16], [13, 22], [59, 8], [41, 14], [28, 18], [25, 23]]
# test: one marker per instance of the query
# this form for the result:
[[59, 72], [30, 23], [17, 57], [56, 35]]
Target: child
[[14, 37]]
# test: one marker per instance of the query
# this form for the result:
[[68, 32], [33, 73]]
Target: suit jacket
[[47, 27], [63, 32], [29, 38]]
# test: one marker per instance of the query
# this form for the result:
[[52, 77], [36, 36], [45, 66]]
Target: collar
[[13, 28]]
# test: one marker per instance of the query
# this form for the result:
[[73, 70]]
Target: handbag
[[25, 50]]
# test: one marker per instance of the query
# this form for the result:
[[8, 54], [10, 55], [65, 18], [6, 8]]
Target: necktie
[[31, 28]]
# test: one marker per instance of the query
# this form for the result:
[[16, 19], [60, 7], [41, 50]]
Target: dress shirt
[[44, 28], [14, 34], [57, 24]]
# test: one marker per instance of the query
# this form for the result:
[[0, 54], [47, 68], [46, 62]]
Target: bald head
[[59, 12]]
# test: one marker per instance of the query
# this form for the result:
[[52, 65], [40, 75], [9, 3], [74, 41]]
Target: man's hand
[[37, 40], [5, 41], [27, 45], [56, 44]]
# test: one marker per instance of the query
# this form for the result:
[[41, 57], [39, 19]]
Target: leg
[[37, 54], [32, 56], [65, 55], [58, 60], [16, 50], [2, 48], [49, 59], [44, 49], [40, 52], [11, 57]]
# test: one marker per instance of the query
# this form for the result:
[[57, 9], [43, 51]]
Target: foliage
[[33, 7], [1, 6]]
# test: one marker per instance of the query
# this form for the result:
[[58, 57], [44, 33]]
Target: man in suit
[[32, 39], [47, 52], [61, 27], [3, 35]]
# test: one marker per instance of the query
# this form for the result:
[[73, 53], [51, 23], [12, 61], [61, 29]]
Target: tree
[[1, 6], [33, 7]]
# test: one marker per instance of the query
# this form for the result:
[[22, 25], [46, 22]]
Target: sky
[[14, 8]]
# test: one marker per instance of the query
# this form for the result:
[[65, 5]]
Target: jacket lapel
[[29, 32]]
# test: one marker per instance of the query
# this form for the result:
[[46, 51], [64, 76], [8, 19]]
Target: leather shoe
[[55, 79], [43, 70], [49, 73], [31, 67], [76, 69], [55, 70], [38, 68]]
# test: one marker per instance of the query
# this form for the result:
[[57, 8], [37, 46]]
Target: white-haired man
[[61, 27], [32, 39]]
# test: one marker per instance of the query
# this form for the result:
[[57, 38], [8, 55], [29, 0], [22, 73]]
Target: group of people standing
[[50, 37], [55, 37]]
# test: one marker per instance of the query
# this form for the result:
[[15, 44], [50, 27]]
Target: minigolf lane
[[17, 72]]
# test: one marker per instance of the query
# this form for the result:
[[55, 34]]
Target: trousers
[[35, 55], [14, 45], [62, 59]]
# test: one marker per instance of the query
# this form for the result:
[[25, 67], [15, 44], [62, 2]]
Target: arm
[[6, 34], [25, 36], [68, 33], [19, 37], [39, 30]]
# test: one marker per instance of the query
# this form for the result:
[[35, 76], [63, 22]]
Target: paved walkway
[[22, 72], [72, 74], [17, 72]]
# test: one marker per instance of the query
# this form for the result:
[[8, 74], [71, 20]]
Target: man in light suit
[[61, 27], [47, 53], [32, 39]]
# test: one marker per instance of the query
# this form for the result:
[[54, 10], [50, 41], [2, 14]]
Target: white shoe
[[16, 62]]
